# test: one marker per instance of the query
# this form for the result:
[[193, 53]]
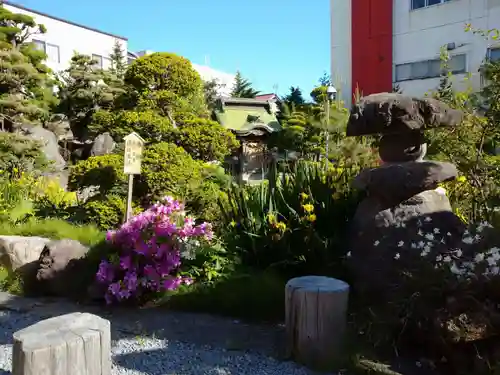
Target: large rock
[[386, 239], [58, 267], [393, 183], [103, 145], [17, 252], [387, 113], [50, 146]]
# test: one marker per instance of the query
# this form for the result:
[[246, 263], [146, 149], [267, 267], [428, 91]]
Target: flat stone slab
[[388, 113]]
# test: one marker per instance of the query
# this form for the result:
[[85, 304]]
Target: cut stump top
[[59, 330], [318, 284]]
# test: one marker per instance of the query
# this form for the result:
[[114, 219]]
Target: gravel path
[[159, 342]]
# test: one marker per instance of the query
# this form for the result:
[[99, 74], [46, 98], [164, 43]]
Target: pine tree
[[445, 90], [84, 90], [211, 93], [243, 88], [118, 62], [26, 90], [295, 96]]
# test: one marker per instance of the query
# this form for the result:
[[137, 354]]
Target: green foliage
[[118, 60], [204, 139], [151, 126], [20, 154], [105, 212], [164, 71], [167, 169], [55, 229], [294, 97], [105, 171], [243, 88], [25, 89], [297, 223], [84, 89], [210, 91]]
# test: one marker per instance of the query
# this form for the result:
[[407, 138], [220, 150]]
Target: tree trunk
[[316, 309], [71, 344]]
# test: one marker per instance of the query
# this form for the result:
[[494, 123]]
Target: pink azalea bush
[[150, 247]]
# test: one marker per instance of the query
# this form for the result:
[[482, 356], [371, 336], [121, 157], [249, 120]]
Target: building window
[[418, 4], [97, 60], [430, 68], [106, 63], [494, 54], [101, 62], [51, 50]]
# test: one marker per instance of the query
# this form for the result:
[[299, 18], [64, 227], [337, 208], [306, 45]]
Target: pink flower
[[149, 251]]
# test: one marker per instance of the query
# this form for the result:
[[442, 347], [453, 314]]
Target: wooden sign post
[[132, 165]]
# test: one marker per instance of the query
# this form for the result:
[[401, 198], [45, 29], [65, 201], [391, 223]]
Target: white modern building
[[377, 44], [224, 80], [63, 38]]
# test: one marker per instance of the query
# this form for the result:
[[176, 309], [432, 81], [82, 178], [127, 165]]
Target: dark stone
[[103, 145], [387, 113], [58, 268], [394, 183], [415, 230], [402, 147]]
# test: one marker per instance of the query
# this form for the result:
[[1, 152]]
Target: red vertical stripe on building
[[371, 25]]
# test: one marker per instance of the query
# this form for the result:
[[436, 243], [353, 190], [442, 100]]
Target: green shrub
[[105, 212], [164, 71], [204, 139], [19, 154], [106, 171], [167, 169], [297, 223], [147, 123]]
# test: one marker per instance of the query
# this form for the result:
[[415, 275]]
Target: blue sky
[[272, 42]]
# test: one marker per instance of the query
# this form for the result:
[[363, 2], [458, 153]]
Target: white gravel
[[134, 355]]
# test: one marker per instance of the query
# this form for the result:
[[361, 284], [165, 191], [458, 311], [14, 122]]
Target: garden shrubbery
[[295, 223]]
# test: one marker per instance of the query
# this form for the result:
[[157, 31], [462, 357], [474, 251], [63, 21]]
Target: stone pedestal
[[76, 344], [316, 309]]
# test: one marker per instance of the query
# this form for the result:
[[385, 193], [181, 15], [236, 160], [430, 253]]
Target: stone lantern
[[402, 200]]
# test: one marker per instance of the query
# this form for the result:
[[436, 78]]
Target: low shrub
[[105, 212], [204, 139], [148, 254], [105, 171], [298, 222], [167, 169], [19, 154]]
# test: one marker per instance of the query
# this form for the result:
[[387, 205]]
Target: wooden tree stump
[[71, 344], [316, 309]]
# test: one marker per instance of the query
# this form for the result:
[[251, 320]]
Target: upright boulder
[[103, 145], [50, 145]]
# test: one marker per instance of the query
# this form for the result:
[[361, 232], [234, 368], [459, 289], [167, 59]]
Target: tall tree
[[26, 90], [295, 96], [118, 60], [211, 92], [325, 79], [243, 88]]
